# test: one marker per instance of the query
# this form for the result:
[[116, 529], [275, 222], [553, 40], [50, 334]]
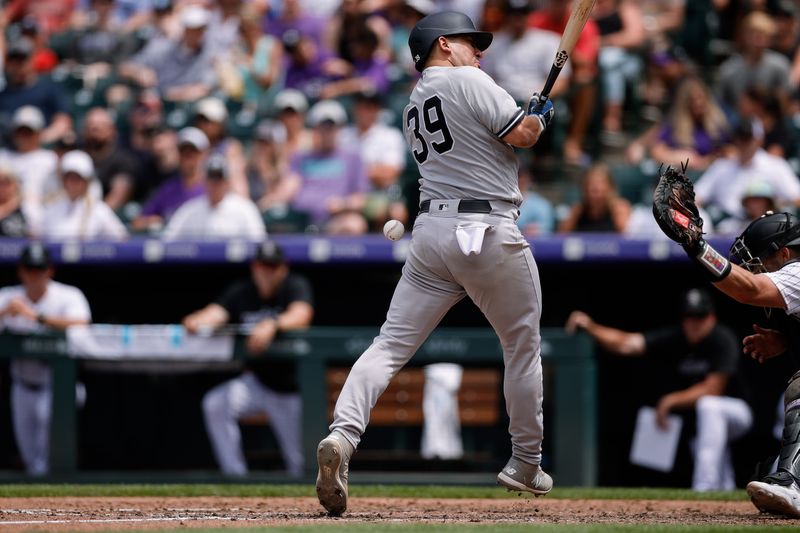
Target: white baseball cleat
[[518, 476], [778, 496], [333, 458]]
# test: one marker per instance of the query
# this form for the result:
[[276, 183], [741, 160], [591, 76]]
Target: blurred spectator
[[695, 129], [219, 214], [722, 186], [295, 20], [161, 22], [125, 15], [754, 64], [52, 16], [210, 115], [34, 166], [383, 153], [290, 108], [333, 179], [273, 300], [757, 199], [268, 177], [44, 59], [25, 87], [351, 20], [403, 16], [366, 71], [665, 61], [621, 35], [115, 167], [37, 305], [520, 57], [705, 356], [187, 183], [97, 40], [150, 143], [600, 208], [536, 214], [79, 215], [258, 59], [223, 27], [787, 29], [553, 17], [12, 219], [307, 68], [182, 70], [766, 106]]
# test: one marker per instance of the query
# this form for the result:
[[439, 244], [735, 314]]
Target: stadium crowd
[[112, 112]]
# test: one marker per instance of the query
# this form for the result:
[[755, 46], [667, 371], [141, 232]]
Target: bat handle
[[551, 80]]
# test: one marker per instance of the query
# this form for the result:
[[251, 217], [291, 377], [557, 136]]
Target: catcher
[[768, 275]]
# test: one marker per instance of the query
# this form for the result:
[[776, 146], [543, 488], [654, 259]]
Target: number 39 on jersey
[[430, 129]]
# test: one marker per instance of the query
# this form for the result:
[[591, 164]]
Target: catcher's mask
[[763, 237]]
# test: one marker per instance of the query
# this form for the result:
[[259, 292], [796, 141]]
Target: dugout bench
[[572, 426]]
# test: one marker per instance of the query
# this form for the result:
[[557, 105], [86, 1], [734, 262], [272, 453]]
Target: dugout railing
[[572, 425]]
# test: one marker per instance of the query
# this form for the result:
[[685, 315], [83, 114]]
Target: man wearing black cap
[[271, 301], [705, 355], [36, 305], [25, 87]]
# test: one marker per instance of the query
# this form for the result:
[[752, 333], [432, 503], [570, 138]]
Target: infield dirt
[[112, 513]]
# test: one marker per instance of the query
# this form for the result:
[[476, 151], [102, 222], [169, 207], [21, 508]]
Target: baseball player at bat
[[461, 128], [768, 275]]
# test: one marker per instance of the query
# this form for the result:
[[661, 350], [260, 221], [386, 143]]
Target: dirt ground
[[84, 514]]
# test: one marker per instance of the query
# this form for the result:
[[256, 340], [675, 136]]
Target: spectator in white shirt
[[80, 214], [219, 214], [36, 167], [722, 187], [383, 153]]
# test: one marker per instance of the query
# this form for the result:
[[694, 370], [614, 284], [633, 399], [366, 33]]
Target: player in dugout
[[705, 355]]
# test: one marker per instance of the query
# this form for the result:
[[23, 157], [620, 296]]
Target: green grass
[[356, 491]]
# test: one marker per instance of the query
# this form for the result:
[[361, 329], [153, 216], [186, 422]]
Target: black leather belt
[[464, 206]]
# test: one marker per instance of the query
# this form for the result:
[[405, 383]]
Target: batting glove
[[542, 108]]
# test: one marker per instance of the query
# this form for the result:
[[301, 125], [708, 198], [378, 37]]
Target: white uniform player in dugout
[[461, 128]]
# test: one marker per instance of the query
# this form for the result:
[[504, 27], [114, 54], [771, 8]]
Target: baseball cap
[[270, 131], [269, 252], [194, 17], [290, 99], [79, 162], [697, 302], [212, 108], [22, 47], [746, 130], [518, 6], [216, 167], [35, 255], [194, 137], [369, 95], [28, 116], [329, 111], [758, 189]]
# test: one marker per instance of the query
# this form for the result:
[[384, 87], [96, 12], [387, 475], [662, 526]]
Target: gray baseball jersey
[[454, 122], [454, 125]]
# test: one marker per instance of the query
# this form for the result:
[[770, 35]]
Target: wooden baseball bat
[[577, 20]]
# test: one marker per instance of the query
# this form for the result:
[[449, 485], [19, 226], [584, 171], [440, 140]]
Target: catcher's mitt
[[674, 208]]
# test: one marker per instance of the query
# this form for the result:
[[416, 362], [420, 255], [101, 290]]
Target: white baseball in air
[[393, 230]]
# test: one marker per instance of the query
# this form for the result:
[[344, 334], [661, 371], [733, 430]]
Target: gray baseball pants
[[502, 281]]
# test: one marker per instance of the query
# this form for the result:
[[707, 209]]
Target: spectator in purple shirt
[[186, 184], [307, 68], [333, 180], [367, 71], [293, 17], [695, 129]]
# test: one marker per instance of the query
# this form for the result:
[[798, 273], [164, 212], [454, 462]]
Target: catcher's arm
[[676, 212]]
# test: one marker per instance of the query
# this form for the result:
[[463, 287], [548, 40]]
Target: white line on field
[[116, 520]]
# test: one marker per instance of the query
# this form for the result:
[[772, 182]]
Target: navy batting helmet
[[763, 237], [430, 28]]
